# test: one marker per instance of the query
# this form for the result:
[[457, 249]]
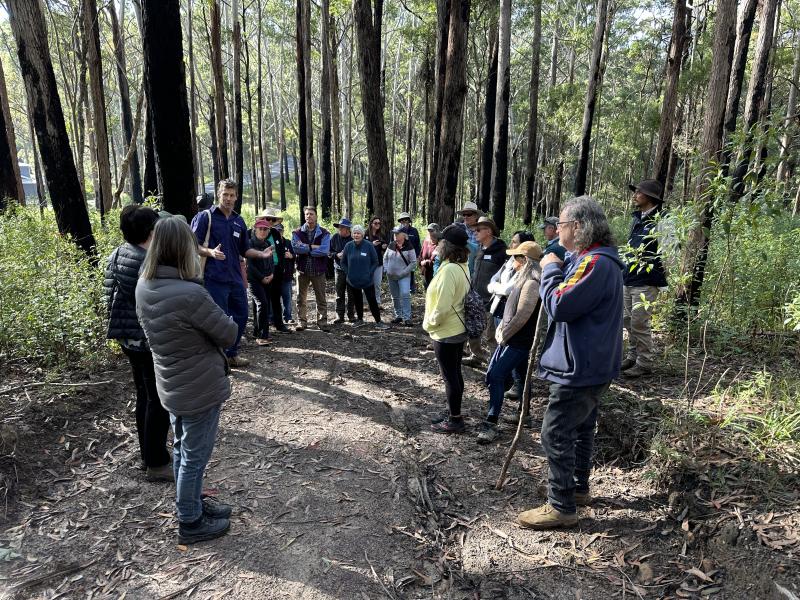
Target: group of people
[[178, 306]]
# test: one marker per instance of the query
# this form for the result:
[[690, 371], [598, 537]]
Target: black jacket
[[488, 262], [258, 268], [647, 267], [119, 288], [337, 245]]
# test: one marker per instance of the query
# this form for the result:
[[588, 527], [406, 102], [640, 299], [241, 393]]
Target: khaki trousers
[[636, 320], [318, 283]]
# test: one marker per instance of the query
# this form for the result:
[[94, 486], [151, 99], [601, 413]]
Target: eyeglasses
[[469, 214], [560, 223]]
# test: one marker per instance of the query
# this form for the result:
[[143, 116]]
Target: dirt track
[[341, 491]]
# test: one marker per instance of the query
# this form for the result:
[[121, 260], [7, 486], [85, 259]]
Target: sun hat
[[469, 207], [433, 227], [269, 213], [652, 188], [529, 249], [345, 222], [403, 215], [487, 222]]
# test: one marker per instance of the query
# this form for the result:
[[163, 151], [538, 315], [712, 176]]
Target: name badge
[[487, 257], [236, 234], [363, 254]]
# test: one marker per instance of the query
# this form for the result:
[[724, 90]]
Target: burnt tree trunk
[[165, 80], [489, 106], [500, 150], [326, 162], [7, 131], [443, 8], [591, 98], [238, 142], [533, 115], [221, 157], [47, 119], [303, 125]]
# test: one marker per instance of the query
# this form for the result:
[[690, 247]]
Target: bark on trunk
[[302, 111], [326, 163], [533, 115], [367, 15], [500, 150], [8, 129], [238, 142], [47, 118], [785, 165], [221, 157], [591, 98], [335, 120], [165, 79], [443, 8], [489, 106], [670, 101]]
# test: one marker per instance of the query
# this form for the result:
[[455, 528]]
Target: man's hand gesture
[[217, 253]]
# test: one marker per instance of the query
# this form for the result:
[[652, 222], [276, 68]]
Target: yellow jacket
[[444, 301]]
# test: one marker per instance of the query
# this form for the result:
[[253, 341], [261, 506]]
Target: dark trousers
[[231, 297], [357, 294], [449, 358], [341, 291], [152, 419], [261, 308], [568, 440]]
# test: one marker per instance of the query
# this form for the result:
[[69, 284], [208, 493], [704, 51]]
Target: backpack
[[474, 312]]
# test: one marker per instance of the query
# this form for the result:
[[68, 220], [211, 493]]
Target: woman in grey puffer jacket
[[186, 331], [119, 284]]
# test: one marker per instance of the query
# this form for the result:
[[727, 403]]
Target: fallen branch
[[34, 581], [28, 386], [526, 401]]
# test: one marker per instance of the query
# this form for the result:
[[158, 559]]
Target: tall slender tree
[[591, 97], [533, 114], [221, 157], [165, 79], [326, 163], [47, 118], [236, 84], [489, 106], [305, 194], [7, 130], [500, 150]]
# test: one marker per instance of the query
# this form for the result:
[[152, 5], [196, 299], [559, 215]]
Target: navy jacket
[[583, 300], [556, 248], [644, 269], [359, 262], [488, 261], [231, 233]]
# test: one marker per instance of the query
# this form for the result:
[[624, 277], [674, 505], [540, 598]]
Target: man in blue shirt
[[552, 244], [311, 244], [223, 241]]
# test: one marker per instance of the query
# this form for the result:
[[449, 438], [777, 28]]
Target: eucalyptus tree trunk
[[336, 119], [8, 130], [303, 126], [196, 154], [489, 106], [326, 163], [310, 159], [44, 104], [238, 138], [254, 173], [785, 166], [744, 29], [696, 249], [282, 161], [591, 97], [667, 126], [409, 135], [221, 157], [533, 114], [500, 149], [443, 8]]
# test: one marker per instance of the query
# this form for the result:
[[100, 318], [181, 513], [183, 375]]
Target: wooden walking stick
[[526, 400]]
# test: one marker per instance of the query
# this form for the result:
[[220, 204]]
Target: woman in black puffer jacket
[[119, 285]]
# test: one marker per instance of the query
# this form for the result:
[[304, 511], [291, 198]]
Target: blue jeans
[[377, 279], [194, 441], [401, 297], [286, 297], [231, 297], [505, 361], [568, 440]]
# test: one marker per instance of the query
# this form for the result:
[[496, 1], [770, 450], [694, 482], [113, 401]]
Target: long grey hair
[[529, 271], [594, 227]]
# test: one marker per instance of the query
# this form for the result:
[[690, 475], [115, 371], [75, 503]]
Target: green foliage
[[52, 311]]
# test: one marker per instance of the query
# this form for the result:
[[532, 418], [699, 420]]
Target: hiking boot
[[358, 323], [513, 419], [238, 362], [381, 325], [205, 528], [546, 517], [396, 321], [637, 371], [338, 320], [472, 361], [581, 498], [487, 432], [439, 417], [261, 342], [407, 323], [449, 426], [300, 327], [283, 329], [164, 473], [627, 363], [214, 508], [515, 393]]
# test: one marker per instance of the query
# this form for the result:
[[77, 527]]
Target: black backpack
[[474, 312]]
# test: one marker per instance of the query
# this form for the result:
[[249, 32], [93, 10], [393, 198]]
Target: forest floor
[[341, 491]]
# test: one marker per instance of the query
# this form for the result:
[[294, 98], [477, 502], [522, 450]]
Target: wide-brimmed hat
[[487, 222], [549, 222], [455, 234], [403, 215], [469, 207], [270, 213], [345, 222], [433, 227], [261, 222], [652, 188], [529, 249]]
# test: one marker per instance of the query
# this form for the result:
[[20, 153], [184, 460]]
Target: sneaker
[[487, 432], [358, 323], [205, 528], [627, 363], [214, 508], [546, 517], [283, 329], [513, 419], [439, 417], [396, 321], [449, 426], [238, 362], [300, 327], [338, 320], [636, 371], [289, 321], [262, 342], [381, 325], [164, 473]]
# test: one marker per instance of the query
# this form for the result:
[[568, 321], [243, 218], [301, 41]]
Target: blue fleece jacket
[[583, 300], [359, 261]]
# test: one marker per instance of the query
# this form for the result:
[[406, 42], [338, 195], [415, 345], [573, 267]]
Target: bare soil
[[341, 491]]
